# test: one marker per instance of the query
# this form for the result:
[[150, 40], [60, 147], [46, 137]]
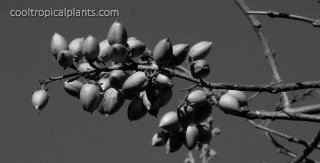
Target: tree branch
[[274, 14]]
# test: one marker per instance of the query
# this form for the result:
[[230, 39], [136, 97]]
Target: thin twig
[[308, 150], [274, 14]]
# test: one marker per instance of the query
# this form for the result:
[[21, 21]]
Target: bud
[[180, 52], [200, 69], [39, 99], [186, 115], [197, 98], [117, 34], [117, 78], [164, 80], [240, 96], [90, 48], [90, 97], [105, 51], [200, 50], [190, 137], [136, 47], [73, 88], [169, 121], [160, 139], [58, 43], [75, 47], [162, 53], [119, 53], [85, 67], [112, 101], [229, 104], [137, 82]]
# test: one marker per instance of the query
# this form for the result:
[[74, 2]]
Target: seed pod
[[164, 80], [104, 83], [200, 50], [190, 137], [75, 47], [39, 99], [90, 97], [117, 34], [197, 98], [200, 69], [160, 139], [162, 53], [90, 48], [117, 78], [58, 43], [240, 96], [205, 135], [169, 121], [151, 98], [136, 109], [174, 142], [180, 52], [65, 58], [85, 67], [186, 115], [202, 113], [105, 51], [112, 101], [136, 83], [136, 47], [73, 88], [166, 96], [229, 104], [119, 53]]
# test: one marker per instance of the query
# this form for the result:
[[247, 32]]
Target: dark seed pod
[[160, 139], [200, 69], [90, 48], [151, 98], [162, 53], [65, 58], [136, 109], [174, 142], [186, 115], [117, 78], [117, 34], [202, 113], [205, 135], [166, 96], [119, 53], [180, 52]]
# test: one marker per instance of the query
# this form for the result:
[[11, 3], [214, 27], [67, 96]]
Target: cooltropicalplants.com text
[[65, 12]]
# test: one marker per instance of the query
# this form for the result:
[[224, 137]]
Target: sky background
[[64, 133]]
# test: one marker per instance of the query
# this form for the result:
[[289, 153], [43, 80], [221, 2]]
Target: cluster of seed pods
[[147, 91]]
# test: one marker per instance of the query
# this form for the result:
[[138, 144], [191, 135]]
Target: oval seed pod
[[136, 109], [90, 48], [85, 67], [58, 43], [205, 135], [117, 34], [40, 99], [240, 96], [166, 96], [112, 101], [200, 50], [117, 78], [174, 142], [190, 137], [75, 47], [180, 52], [164, 80], [229, 104], [186, 115], [202, 113], [90, 97], [160, 139], [162, 53], [104, 83], [197, 98], [137, 82], [105, 51], [169, 121], [65, 58], [136, 47], [119, 53], [200, 69], [73, 88]]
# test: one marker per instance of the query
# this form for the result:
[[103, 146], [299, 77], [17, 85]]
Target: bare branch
[[274, 14]]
